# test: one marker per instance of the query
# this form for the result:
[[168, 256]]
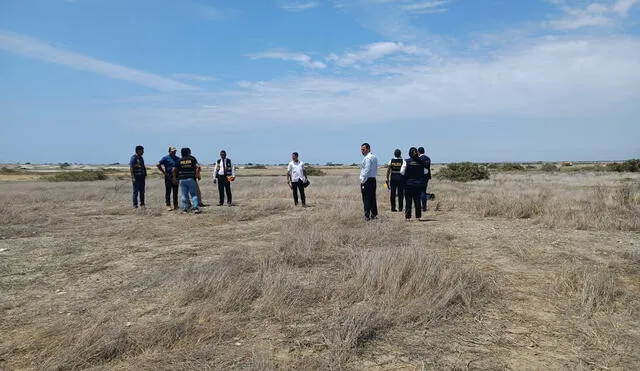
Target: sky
[[470, 80]]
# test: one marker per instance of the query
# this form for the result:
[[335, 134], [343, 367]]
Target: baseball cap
[[172, 148]]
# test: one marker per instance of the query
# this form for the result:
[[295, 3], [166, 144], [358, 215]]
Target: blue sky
[[470, 80]]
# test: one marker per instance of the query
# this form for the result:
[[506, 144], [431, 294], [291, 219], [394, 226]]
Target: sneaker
[[185, 211], [196, 211]]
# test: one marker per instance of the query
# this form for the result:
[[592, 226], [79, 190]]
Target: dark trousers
[[298, 186], [224, 186], [368, 189], [396, 187], [412, 196], [168, 188], [138, 189], [423, 196]]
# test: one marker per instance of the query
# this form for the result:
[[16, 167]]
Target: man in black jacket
[[427, 175]]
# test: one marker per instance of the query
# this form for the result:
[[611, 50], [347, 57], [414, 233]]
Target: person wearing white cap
[[166, 165]]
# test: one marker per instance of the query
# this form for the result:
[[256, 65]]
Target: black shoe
[[394, 210], [220, 204]]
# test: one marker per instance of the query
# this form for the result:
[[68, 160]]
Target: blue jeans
[[188, 187], [423, 196], [138, 189]]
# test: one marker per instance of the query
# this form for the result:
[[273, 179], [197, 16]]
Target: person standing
[[296, 177], [368, 173], [166, 165], [138, 176], [223, 174], [414, 178], [201, 202], [395, 180], [187, 171], [427, 176]]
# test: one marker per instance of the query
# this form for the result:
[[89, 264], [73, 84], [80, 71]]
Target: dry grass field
[[527, 270]]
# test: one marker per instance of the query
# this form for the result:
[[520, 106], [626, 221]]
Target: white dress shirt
[[369, 167], [223, 163], [296, 170]]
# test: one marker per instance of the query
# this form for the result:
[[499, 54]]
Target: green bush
[[549, 167], [77, 176], [627, 166], [314, 171], [510, 166], [463, 172]]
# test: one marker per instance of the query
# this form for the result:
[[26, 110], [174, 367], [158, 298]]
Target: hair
[[223, 151], [397, 153], [366, 145], [139, 148], [185, 151], [295, 154], [421, 150], [413, 152]]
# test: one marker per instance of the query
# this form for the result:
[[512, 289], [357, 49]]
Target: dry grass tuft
[[592, 288], [412, 284]]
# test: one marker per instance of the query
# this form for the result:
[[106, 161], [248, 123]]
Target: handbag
[[306, 183]]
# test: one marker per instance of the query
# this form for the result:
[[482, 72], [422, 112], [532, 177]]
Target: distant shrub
[[7, 170], [332, 164], [256, 166], [627, 166], [529, 166], [549, 167], [510, 166], [314, 171], [77, 176], [492, 165], [463, 172], [64, 165]]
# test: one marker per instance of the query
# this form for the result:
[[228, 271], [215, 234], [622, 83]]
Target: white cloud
[[622, 7], [570, 78], [304, 59], [592, 15], [193, 77], [299, 6], [35, 49], [425, 7], [372, 52]]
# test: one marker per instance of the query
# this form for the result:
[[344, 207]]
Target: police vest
[[187, 168], [396, 164], [414, 173], [139, 170], [227, 167]]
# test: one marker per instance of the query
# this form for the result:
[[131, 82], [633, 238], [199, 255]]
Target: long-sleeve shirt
[[369, 167]]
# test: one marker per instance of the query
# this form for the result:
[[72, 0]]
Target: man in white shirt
[[368, 173], [296, 177], [223, 174]]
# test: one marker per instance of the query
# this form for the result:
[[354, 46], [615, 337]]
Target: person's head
[[223, 154], [421, 150], [397, 153], [413, 152], [365, 148], [185, 151], [139, 150], [172, 150], [294, 156]]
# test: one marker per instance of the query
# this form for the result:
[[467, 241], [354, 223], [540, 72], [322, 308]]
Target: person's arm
[[215, 173], [365, 170], [159, 166], [174, 174], [388, 170], [131, 164], [403, 168], [197, 171], [233, 169]]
